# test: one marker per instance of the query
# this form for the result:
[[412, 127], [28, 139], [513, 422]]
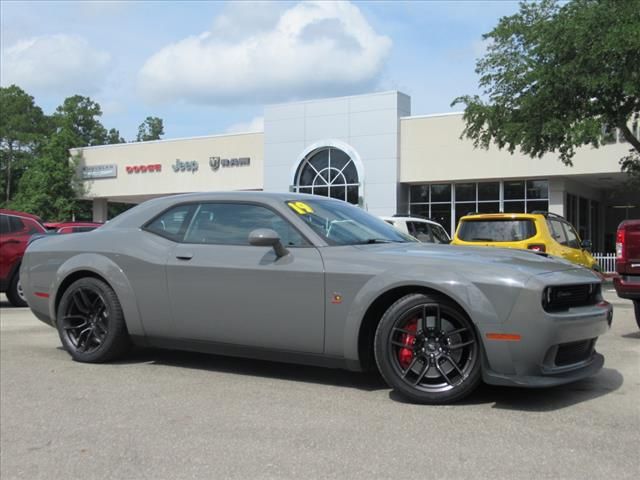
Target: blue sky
[[210, 67]]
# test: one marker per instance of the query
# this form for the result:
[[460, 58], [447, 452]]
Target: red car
[[15, 230], [627, 282], [71, 227]]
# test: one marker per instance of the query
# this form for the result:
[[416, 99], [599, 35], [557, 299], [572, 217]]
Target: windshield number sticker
[[300, 208]]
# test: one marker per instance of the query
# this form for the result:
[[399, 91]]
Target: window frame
[[182, 241]]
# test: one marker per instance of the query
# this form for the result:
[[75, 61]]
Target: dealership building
[[371, 151]]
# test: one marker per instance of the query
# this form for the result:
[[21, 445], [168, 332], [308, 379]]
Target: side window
[[439, 235], [17, 225], [420, 230], [4, 224], [230, 224], [572, 237], [32, 227], [173, 223], [557, 232]]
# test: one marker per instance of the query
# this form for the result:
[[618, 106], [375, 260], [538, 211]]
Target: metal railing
[[607, 261]]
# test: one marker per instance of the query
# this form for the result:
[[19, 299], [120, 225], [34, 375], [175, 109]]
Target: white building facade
[[369, 150]]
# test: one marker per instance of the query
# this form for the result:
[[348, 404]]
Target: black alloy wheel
[[90, 322], [427, 349]]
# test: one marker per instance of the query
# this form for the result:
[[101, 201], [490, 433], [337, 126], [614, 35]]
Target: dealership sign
[[99, 171], [216, 162], [188, 166], [152, 167]]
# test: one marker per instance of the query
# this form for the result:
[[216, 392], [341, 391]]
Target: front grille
[[574, 352], [563, 297]]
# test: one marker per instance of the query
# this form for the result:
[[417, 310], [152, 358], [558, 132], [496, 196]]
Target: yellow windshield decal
[[300, 208]]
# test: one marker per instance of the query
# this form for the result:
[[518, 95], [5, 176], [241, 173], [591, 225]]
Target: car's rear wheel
[[636, 309], [90, 322], [15, 294], [427, 349]]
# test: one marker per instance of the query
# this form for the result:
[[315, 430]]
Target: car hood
[[522, 260]]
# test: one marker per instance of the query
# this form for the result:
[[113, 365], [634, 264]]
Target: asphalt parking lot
[[173, 415]]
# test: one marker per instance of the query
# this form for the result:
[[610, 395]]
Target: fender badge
[[336, 298]]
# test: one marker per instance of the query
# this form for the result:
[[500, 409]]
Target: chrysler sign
[[99, 171]]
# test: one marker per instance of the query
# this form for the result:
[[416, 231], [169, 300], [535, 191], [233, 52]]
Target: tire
[[427, 349], [636, 310], [90, 322], [15, 294]]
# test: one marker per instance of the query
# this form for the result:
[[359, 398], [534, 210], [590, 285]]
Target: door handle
[[184, 256]]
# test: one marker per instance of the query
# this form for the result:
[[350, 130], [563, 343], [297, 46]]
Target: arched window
[[329, 172]]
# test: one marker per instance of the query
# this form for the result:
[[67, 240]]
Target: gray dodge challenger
[[307, 279]]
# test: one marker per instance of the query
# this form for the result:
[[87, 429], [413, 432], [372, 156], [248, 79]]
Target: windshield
[[340, 223]]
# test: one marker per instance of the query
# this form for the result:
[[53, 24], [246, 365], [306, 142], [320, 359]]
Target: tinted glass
[[4, 224], [513, 190], [352, 194], [556, 231], [320, 160], [514, 207], [420, 193], [463, 209], [231, 224], [489, 207], [572, 237], [420, 230], [173, 223], [441, 193], [496, 230], [439, 235], [465, 192], [489, 191], [16, 225], [338, 159], [442, 215], [342, 224], [537, 205], [420, 210], [537, 189], [350, 173]]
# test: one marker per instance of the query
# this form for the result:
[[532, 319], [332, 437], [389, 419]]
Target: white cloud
[[61, 64], [314, 48], [256, 124]]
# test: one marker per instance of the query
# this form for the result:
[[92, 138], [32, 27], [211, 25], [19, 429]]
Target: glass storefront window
[[465, 192], [441, 192], [419, 194], [537, 189], [514, 190], [489, 191]]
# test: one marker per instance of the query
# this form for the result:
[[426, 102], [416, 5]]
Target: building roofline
[[386, 92], [167, 140], [432, 115]]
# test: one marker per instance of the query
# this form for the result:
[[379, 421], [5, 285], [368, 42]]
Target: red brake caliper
[[405, 355]]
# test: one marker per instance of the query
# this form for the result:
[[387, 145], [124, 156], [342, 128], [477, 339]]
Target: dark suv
[[15, 230], [627, 282]]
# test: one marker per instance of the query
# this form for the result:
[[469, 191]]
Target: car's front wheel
[[90, 322], [427, 349]]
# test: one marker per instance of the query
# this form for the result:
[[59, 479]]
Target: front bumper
[[554, 348]]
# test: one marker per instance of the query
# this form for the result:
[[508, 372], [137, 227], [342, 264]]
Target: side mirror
[[265, 237], [586, 245]]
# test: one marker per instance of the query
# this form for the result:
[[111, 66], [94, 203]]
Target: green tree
[[80, 116], [113, 136], [151, 129], [555, 75], [23, 129], [50, 187]]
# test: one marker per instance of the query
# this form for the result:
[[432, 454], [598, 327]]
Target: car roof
[[504, 216], [156, 205], [16, 213]]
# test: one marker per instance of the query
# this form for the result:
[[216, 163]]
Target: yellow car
[[540, 232]]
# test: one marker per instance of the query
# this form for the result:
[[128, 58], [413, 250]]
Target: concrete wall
[[431, 151], [165, 153], [365, 126]]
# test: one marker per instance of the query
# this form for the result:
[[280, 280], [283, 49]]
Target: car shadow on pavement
[[369, 381], [632, 335]]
